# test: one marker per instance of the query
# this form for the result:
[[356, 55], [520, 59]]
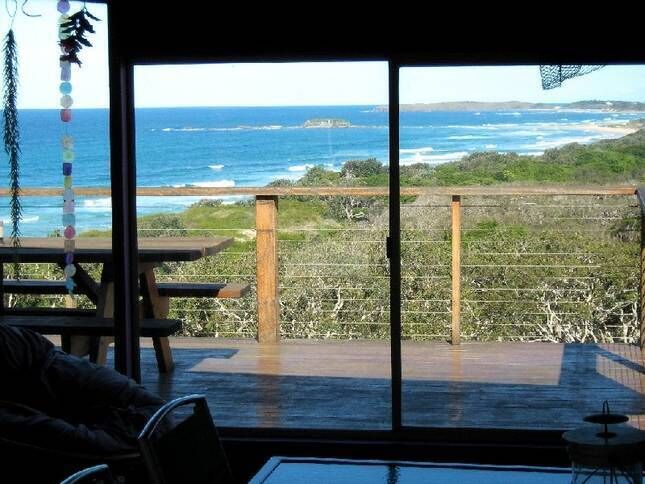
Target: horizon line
[[338, 105]]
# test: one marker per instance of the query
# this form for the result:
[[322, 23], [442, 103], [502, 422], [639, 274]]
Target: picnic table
[[75, 327]]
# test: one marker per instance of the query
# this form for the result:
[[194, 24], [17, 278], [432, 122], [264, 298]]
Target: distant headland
[[595, 105]]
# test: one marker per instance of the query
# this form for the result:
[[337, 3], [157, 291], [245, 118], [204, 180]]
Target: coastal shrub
[[207, 202], [281, 182], [247, 202], [362, 168], [162, 225], [351, 208], [318, 176], [416, 173], [627, 229]]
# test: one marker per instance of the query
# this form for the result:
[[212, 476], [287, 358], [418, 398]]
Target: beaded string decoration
[[71, 34], [67, 146]]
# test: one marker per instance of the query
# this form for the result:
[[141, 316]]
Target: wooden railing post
[[640, 194], [266, 244], [455, 210]]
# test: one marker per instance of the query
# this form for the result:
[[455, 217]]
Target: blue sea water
[[254, 146]]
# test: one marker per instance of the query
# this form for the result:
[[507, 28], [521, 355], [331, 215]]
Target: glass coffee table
[[290, 470]]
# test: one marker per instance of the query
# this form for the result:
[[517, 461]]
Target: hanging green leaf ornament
[[73, 31], [11, 132]]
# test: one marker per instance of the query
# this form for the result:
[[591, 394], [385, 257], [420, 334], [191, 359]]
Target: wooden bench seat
[[202, 289], [87, 326], [45, 311], [33, 286], [69, 326], [69, 322], [167, 289]]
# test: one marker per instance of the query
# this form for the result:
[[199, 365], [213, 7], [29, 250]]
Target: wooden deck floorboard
[[347, 384]]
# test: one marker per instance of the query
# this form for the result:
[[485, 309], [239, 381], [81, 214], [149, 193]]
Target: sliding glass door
[[519, 266], [287, 165]]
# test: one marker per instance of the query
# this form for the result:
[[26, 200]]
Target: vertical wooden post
[[1, 288], [123, 176], [455, 210], [640, 193], [266, 245]]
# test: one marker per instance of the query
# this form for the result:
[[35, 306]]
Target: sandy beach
[[619, 130]]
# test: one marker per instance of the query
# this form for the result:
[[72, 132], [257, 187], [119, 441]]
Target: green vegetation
[[533, 268], [616, 161], [605, 162]]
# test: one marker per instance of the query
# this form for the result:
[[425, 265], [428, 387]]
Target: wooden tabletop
[[99, 249]]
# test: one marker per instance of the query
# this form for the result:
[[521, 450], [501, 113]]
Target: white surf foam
[[97, 203], [467, 136], [269, 127], [183, 129], [208, 184], [546, 144], [423, 149], [216, 167], [304, 167]]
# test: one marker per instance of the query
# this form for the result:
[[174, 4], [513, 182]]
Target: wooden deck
[[346, 384]]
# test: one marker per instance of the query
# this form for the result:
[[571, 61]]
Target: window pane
[[311, 253], [58, 155], [532, 272]]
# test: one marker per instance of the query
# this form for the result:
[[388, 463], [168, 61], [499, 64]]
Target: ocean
[[252, 146]]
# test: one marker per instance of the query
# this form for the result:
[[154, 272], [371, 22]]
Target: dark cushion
[[67, 402], [23, 356]]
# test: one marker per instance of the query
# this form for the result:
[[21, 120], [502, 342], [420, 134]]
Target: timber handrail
[[267, 241], [337, 191]]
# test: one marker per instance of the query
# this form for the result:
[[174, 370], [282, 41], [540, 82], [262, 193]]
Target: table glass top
[[409, 473]]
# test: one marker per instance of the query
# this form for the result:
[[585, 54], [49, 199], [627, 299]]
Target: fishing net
[[553, 76]]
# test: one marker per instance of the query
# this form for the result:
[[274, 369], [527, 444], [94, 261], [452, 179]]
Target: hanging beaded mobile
[[67, 145]]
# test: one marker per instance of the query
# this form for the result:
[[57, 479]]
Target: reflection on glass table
[[289, 470]]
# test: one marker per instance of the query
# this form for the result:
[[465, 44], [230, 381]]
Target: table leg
[[80, 345], [105, 308], [156, 306], [165, 362]]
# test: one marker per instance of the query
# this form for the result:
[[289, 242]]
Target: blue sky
[[284, 84]]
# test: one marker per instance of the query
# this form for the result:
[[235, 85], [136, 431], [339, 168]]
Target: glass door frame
[[394, 246]]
